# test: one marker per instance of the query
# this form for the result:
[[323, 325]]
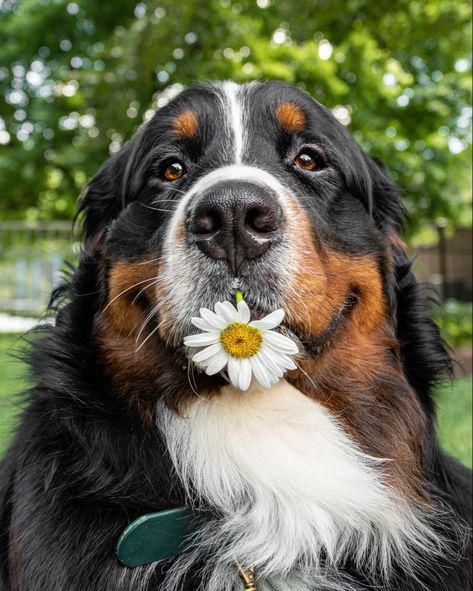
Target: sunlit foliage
[[78, 78]]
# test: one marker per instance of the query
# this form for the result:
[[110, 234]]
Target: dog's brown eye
[[173, 171], [308, 161]]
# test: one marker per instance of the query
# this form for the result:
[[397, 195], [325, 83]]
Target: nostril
[[207, 222], [261, 220]]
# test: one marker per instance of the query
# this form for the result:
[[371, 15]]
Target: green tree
[[79, 77]]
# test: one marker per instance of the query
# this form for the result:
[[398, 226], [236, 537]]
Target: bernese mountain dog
[[333, 479]]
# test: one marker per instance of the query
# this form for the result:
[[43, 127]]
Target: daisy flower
[[244, 348]]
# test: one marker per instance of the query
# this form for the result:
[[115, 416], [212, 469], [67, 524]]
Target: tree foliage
[[79, 77]]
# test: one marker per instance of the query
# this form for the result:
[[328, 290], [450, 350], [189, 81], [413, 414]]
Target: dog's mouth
[[315, 311], [311, 345], [264, 293]]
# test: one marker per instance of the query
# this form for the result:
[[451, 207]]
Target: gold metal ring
[[248, 578]]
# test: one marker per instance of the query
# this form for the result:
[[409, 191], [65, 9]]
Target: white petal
[[231, 309], [217, 363], [212, 318], [270, 321], [202, 324], [283, 361], [277, 357], [206, 353], [288, 363], [260, 372], [274, 380], [202, 340], [283, 355], [272, 361], [279, 342], [244, 375], [227, 311], [234, 370], [244, 311]]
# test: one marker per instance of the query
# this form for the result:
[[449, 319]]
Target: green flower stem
[[238, 296]]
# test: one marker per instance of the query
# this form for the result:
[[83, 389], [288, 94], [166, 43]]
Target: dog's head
[[257, 186]]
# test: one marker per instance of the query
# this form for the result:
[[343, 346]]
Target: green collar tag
[[156, 536]]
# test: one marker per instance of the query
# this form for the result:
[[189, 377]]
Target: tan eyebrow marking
[[290, 116], [185, 125]]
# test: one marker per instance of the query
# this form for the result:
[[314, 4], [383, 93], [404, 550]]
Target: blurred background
[[78, 78]]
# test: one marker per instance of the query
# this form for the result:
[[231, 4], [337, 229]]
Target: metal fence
[[32, 255], [447, 266]]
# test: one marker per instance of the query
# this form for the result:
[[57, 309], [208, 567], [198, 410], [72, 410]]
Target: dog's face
[[255, 186]]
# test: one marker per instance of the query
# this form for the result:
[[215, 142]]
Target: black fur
[[82, 465]]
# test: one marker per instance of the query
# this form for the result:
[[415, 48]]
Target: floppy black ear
[[423, 352], [387, 209], [107, 193]]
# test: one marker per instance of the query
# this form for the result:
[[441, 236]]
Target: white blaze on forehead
[[232, 99]]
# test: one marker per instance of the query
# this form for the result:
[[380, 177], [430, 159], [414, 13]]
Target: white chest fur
[[294, 493]]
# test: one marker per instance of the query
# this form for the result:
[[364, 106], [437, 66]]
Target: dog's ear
[[367, 179], [107, 193], [423, 352], [388, 214], [386, 205]]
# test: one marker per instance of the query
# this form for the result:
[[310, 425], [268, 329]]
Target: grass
[[455, 419], [454, 403], [12, 381]]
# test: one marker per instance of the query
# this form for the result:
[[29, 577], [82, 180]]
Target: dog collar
[[162, 535], [157, 536]]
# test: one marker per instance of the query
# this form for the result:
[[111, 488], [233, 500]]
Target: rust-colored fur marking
[[323, 279], [117, 327], [358, 374], [291, 117], [140, 365], [126, 280], [185, 125]]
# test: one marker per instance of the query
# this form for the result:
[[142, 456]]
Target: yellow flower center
[[241, 340]]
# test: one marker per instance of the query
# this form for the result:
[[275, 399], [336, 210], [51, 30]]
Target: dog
[[333, 479]]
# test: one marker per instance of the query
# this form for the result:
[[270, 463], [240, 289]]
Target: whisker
[[337, 415], [148, 317], [128, 289], [191, 380], [148, 337], [156, 208], [306, 374], [150, 261], [135, 299]]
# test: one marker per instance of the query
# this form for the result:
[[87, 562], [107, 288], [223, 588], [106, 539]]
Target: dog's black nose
[[236, 221]]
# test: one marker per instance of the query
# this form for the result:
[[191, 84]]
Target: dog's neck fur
[[295, 498]]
